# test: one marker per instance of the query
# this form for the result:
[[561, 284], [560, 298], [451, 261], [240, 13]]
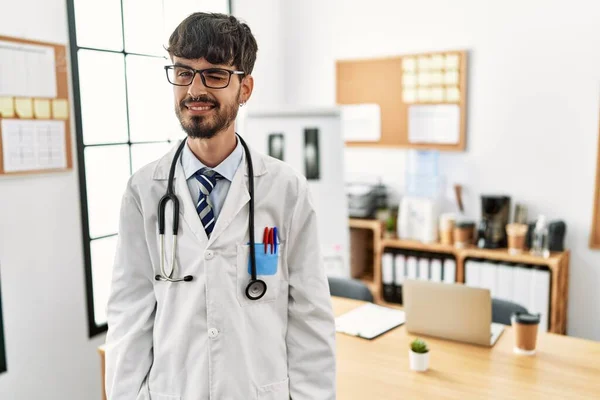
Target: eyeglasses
[[214, 78]]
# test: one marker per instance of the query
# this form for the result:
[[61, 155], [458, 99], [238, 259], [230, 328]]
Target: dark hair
[[218, 38]]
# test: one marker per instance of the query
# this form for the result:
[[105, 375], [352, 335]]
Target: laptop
[[450, 311]]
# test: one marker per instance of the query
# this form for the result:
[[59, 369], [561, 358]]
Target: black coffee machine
[[495, 213]]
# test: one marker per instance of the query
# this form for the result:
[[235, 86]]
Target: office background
[[532, 118]]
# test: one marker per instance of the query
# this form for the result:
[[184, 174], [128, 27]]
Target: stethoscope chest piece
[[256, 289]]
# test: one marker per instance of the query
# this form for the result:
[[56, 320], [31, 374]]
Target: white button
[[209, 254], [213, 333]]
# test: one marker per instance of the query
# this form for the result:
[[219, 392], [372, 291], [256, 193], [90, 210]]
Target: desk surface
[[564, 367]]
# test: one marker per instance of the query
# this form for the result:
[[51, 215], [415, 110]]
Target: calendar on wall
[[34, 108]]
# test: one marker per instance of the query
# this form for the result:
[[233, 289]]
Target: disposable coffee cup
[[525, 328], [447, 222], [464, 234], [516, 237]]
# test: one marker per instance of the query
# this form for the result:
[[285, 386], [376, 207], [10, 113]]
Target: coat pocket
[[161, 396], [275, 391], [268, 269]]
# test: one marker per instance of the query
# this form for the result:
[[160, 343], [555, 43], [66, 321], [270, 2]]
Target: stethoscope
[[256, 288]]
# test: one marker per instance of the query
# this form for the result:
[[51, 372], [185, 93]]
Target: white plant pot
[[418, 361]]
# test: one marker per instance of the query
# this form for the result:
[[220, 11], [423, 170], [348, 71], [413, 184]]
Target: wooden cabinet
[[557, 263]]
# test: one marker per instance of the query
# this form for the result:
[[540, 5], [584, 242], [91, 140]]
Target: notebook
[[369, 321]]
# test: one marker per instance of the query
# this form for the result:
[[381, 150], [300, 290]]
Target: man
[[205, 337]]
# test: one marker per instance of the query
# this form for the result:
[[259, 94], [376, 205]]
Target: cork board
[[402, 84], [34, 108]]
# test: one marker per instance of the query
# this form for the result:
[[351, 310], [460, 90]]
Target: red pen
[[266, 239]]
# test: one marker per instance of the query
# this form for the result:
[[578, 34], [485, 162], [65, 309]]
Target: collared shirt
[[226, 169]]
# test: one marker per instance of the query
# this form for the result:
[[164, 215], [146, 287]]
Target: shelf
[[415, 245], [372, 224], [558, 263], [474, 252], [504, 255]]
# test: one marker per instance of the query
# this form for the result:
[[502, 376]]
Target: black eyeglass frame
[[201, 72]]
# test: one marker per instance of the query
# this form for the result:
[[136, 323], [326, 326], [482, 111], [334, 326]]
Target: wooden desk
[[564, 367]]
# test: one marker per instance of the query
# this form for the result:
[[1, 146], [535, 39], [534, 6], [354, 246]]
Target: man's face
[[202, 111]]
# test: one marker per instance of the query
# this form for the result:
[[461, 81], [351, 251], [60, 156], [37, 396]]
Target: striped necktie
[[208, 180]]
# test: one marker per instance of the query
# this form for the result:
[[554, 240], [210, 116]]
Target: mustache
[[199, 99]]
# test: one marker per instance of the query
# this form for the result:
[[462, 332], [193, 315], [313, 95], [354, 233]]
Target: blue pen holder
[[266, 264]]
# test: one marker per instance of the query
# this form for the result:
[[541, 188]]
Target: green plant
[[390, 224], [419, 346]]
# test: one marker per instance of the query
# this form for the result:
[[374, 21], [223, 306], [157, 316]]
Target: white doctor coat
[[205, 339]]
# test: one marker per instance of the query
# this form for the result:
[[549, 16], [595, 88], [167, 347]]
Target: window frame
[[95, 329]]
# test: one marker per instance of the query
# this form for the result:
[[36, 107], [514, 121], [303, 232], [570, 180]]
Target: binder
[[424, 268], [505, 281], [540, 295], [472, 272], [399, 276], [523, 277], [387, 276], [449, 270], [435, 268], [411, 267], [487, 277]]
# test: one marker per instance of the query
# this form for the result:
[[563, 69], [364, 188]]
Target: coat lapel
[[238, 195], [187, 208]]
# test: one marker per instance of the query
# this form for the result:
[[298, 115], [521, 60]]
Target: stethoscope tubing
[[170, 196]]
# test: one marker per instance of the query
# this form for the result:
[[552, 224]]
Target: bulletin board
[[595, 235], [35, 125], [422, 98]]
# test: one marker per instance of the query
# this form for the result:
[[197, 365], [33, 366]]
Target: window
[[123, 113]]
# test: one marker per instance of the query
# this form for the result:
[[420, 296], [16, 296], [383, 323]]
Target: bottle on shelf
[[539, 242]]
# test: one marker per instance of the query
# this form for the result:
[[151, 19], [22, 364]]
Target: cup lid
[[526, 318]]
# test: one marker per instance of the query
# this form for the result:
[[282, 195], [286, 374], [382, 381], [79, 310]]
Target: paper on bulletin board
[[434, 124], [27, 70], [361, 122], [33, 145]]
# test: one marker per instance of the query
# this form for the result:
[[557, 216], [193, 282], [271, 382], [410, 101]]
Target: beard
[[207, 126]]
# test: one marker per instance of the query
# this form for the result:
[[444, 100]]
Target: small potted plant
[[390, 227], [419, 355]]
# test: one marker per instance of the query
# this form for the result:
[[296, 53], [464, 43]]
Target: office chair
[[502, 310], [349, 288]]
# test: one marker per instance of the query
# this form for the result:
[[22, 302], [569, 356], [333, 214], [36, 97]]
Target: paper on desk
[[434, 123], [33, 145], [361, 122], [369, 321], [27, 70]]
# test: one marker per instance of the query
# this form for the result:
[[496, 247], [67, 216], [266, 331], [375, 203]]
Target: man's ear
[[247, 86]]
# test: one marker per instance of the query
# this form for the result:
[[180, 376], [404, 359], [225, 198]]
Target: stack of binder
[[526, 285], [401, 264]]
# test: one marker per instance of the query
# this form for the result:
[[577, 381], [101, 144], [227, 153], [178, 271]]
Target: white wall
[[49, 354], [265, 19], [534, 89]]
